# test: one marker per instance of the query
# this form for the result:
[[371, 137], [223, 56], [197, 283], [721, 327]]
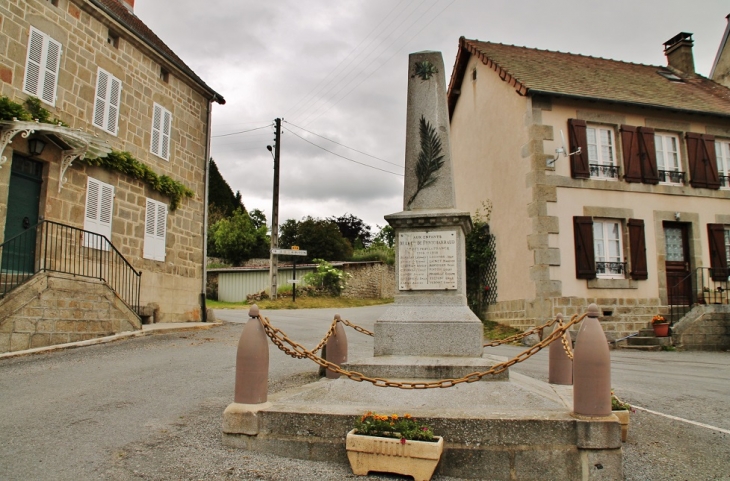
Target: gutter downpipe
[[203, 308]]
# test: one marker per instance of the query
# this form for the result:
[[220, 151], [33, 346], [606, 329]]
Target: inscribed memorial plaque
[[427, 260]]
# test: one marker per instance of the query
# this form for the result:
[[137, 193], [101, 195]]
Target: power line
[[381, 65], [341, 156], [343, 145], [242, 131]]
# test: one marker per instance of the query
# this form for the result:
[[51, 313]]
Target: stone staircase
[[647, 341]]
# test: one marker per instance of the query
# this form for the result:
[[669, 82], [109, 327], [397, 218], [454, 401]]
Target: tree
[[354, 230], [321, 238], [386, 236], [220, 195], [237, 239]]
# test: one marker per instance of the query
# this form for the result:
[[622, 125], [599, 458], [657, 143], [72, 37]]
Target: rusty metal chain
[[564, 339], [521, 335], [326, 336], [279, 338], [359, 329]]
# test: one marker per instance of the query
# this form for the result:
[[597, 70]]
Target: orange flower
[[394, 417], [407, 416]]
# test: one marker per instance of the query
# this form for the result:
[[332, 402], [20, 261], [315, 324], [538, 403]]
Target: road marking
[[688, 421]]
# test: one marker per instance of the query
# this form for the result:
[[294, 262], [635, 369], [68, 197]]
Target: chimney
[[721, 67], [678, 50], [128, 3]]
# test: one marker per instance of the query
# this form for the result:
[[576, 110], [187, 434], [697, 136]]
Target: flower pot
[[390, 455], [623, 419], [661, 329]]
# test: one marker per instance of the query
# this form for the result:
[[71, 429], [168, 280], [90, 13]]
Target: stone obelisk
[[430, 316]]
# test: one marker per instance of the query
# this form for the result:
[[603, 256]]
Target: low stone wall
[[619, 317], [55, 308], [704, 328], [369, 280]]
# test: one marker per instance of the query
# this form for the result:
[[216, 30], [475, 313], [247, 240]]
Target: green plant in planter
[[619, 405], [393, 426]]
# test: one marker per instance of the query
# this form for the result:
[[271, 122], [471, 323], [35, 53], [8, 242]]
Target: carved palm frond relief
[[430, 159]]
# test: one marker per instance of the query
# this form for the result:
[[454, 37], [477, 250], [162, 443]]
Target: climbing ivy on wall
[[118, 161]]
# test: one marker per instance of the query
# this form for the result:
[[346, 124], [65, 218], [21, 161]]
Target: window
[[161, 126], [53, 2], [601, 158], [106, 105], [727, 244], [722, 152], [718, 236], [98, 217], [608, 249], [668, 159], [41, 67], [164, 75], [155, 227], [599, 249], [702, 161]]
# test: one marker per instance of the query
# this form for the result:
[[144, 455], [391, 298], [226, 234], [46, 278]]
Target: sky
[[336, 73]]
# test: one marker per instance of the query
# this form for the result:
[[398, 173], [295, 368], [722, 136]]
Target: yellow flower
[[407, 416]]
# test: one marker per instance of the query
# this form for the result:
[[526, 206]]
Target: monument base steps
[[517, 429], [409, 367]]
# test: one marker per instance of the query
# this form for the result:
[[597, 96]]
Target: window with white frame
[[98, 216], [722, 152], [155, 230], [106, 103], [608, 249], [668, 158], [41, 67], [601, 152], [727, 246], [161, 127]]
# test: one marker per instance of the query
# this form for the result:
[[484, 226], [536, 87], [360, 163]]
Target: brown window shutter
[[647, 154], [577, 137], [695, 153], [718, 256], [632, 161], [709, 160], [585, 257], [637, 242]]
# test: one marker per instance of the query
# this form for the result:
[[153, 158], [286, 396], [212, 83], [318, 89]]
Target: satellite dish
[[563, 149]]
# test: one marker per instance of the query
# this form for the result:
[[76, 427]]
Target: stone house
[[610, 181], [102, 217]]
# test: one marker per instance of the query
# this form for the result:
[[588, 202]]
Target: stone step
[[649, 341], [642, 348]]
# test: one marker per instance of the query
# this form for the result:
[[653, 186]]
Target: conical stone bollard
[[252, 362], [560, 366], [591, 368], [336, 348]]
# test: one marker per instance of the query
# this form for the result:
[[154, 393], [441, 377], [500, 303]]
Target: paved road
[[150, 408]]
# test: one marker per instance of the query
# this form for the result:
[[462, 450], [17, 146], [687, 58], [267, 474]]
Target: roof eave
[[534, 92], [213, 95]]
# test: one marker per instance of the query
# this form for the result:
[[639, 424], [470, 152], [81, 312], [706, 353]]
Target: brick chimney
[[721, 67], [128, 3], [678, 50]]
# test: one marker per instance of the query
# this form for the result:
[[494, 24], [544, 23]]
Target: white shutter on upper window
[[98, 216], [155, 230], [107, 101], [161, 128], [41, 69]]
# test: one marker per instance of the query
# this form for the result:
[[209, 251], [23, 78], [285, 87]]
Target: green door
[[24, 196]]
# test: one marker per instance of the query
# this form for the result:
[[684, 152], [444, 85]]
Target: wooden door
[[24, 193], [679, 283]]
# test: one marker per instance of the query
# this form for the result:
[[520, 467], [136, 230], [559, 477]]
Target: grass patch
[[302, 303], [496, 331]]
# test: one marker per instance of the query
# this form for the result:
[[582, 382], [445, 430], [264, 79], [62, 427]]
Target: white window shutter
[[115, 95], [156, 128], [100, 102], [155, 230], [52, 63], [107, 102], [33, 64], [161, 128], [166, 125], [98, 216]]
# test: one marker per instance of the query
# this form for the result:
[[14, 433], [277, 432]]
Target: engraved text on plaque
[[427, 260]]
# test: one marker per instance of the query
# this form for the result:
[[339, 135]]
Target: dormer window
[[670, 76]]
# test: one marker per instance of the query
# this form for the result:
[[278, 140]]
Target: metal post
[[273, 264], [294, 278], [560, 366], [591, 368]]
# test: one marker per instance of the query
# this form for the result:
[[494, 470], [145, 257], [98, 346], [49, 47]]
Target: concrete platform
[[518, 429], [408, 367]]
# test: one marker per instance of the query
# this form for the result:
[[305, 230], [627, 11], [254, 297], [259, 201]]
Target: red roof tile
[[532, 71], [120, 13]]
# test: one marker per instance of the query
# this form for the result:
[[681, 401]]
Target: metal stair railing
[[53, 247], [700, 288]]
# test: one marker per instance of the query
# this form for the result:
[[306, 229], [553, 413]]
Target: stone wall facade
[[370, 280], [619, 316], [83, 31], [55, 308], [705, 328]]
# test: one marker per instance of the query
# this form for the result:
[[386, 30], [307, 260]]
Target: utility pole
[[274, 260]]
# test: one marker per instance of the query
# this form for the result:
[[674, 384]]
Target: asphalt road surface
[[151, 407]]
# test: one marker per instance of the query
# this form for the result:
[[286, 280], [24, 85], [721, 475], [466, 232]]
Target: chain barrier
[[359, 329], [326, 336], [565, 340], [520, 336], [296, 350]]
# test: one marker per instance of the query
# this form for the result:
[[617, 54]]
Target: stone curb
[[147, 330]]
